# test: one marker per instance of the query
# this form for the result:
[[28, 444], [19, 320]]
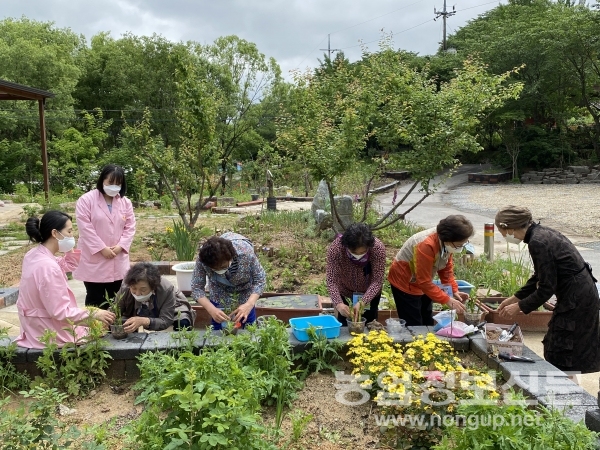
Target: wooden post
[[44, 152]]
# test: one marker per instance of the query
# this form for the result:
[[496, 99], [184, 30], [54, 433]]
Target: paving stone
[[33, 354], [402, 338], [419, 330], [592, 420], [161, 341], [8, 238], [539, 368], [576, 413], [128, 348], [544, 385], [20, 356], [560, 401]]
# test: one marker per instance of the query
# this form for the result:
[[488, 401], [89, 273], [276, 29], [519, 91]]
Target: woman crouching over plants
[[231, 266], [355, 270], [422, 256], [151, 301], [46, 302]]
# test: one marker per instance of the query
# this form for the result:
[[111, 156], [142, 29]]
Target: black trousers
[[369, 314], [96, 293], [415, 309]]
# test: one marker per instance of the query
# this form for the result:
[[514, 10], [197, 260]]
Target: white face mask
[[451, 249], [357, 257], [66, 243], [511, 239], [112, 190], [222, 271], [142, 298]]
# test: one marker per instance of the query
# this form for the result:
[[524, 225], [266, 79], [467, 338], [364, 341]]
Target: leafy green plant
[[10, 378], [319, 355], [36, 425], [78, 366], [300, 421], [209, 400], [185, 249], [360, 312], [156, 253], [515, 426]]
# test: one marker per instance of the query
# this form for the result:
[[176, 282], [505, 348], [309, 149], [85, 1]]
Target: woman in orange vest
[[422, 256]]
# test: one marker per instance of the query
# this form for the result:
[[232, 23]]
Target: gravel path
[[570, 208]]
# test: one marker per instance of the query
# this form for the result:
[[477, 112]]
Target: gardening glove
[[343, 309], [242, 312], [461, 296]]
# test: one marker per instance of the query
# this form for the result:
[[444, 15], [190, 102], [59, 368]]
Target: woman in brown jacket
[[152, 302], [572, 341]]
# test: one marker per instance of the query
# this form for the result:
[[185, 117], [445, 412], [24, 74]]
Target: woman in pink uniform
[[45, 300], [106, 227]]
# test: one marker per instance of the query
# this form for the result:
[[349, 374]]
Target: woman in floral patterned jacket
[[235, 275]]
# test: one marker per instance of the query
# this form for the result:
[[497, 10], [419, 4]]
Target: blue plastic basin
[[463, 286], [327, 326]]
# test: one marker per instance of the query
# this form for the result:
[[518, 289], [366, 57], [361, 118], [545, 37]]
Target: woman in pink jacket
[[45, 300], [106, 227]]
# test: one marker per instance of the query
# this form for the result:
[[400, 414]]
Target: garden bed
[[534, 321]]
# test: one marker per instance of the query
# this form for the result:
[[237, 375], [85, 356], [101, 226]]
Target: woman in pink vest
[[106, 227], [45, 300]]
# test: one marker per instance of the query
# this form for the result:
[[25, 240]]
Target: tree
[[40, 55], [334, 115], [218, 89]]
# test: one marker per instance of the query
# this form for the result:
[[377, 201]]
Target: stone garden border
[[539, 380]]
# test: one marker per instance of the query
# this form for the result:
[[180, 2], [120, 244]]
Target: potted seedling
[[114, 305], [231, 328], [357, 325], [473, 314]]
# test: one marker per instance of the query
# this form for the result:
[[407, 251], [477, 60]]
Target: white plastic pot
[[184, 272]]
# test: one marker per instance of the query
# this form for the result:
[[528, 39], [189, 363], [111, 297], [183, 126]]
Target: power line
[[311, 52], [374, 18], [444, 14], [329, 49], [393, 34]]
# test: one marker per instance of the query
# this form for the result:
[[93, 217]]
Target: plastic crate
[[327, 326], [463, 286], [511, 347]]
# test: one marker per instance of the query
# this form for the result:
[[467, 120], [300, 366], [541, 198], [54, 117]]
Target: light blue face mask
[[511, 239]]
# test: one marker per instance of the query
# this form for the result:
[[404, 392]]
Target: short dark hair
[[143, 271], [41, 230], [216, 251], [455, 228], [113, 173], [358, 235]]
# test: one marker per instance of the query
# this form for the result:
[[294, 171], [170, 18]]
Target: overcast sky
[[291, 31]]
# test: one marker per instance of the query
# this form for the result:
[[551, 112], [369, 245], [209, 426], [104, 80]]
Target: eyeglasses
[[459, 246]]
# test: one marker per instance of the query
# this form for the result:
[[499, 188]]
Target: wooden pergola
[[14, 91]]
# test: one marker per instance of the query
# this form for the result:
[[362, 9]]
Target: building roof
[[15, 91]]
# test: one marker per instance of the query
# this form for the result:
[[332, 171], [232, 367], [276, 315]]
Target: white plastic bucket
[[184, 272]]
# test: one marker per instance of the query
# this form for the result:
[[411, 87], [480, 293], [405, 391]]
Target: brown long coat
[[573, 338]]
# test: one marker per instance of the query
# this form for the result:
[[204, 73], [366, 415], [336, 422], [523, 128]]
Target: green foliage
[[514, 425], [198, 401], [299, 423], [10, 379], [505, 275], [320, 354], [36, 426], [182, 241], [78, 366], [331, 117]]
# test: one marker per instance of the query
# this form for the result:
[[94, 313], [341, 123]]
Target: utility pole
[[329, 50], [444, 14]]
